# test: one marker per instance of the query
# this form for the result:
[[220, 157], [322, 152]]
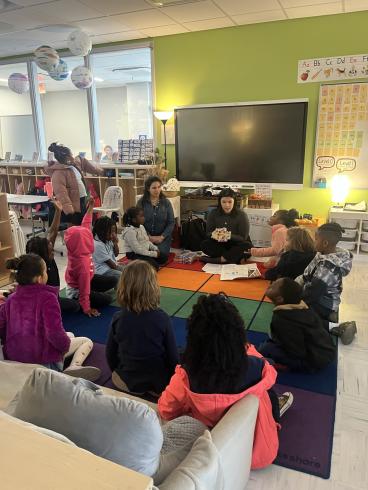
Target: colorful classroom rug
[[307, 428]]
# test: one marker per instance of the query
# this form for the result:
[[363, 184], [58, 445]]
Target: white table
[[29, 201]]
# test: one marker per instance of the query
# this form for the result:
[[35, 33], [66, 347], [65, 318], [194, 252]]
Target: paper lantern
[[18, 83], [82, 77], [79, 43], [46, 58], [61, 72]]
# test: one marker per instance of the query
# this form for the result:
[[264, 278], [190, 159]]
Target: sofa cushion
[[179, 436], [119, 429], [200, 470]]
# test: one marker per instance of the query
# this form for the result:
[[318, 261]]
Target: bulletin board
[[342, 134]]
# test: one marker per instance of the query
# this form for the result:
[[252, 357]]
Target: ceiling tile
[[256, 17], [117, 36], [203, 25], [315, 10], [301, 3], [192, 12], [235, 7], [144, 19], [355, 5], [102, 25], [27, 3], [110, 7], [164, 30], [4, 27]]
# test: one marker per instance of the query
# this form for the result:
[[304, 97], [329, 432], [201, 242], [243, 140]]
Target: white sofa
[[232, 437]]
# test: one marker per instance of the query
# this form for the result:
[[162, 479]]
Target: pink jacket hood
[[79, 241]]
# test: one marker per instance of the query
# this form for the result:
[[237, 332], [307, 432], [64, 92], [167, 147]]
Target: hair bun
[[53, 147], [293, 213], [12, 264]]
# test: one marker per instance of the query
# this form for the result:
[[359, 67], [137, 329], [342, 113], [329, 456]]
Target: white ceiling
[[25, 24]]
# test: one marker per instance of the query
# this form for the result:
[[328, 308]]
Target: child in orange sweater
[[280, 222]]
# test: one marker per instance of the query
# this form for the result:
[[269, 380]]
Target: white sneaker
[[90, 373], [285, 402]]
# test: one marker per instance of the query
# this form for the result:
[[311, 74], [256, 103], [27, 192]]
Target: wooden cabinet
[[6, 243]]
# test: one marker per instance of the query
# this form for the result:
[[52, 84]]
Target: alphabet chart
[[342, 134]]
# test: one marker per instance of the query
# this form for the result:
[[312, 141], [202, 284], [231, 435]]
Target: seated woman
[[158, 215], [141, 349], [219, 368], [44, 247], [222, 249]]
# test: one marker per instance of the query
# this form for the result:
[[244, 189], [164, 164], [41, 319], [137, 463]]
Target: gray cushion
[[179, 436], [119, 429], [200, 470]]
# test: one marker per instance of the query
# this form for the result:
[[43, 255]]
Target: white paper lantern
[[82, 77], [61, 72], [79, 43], [18, 83], [46, 58]]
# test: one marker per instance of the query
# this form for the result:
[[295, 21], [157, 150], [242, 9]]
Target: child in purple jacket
[[31, 328]]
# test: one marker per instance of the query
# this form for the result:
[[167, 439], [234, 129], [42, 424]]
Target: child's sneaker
[[90, 373], [285, 402], [346, 331]]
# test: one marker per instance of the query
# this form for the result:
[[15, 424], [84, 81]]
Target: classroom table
[[28, 201]]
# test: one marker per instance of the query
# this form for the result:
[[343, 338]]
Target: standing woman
[[218, 248], [158, 214], [68, 182]]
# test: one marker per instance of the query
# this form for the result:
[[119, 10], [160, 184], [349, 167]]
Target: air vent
[[171, 3], [6, 5]]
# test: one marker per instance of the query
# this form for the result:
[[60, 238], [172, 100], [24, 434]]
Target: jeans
[[115, 273], [154, 261], [272, 350], [99, 285], [68, 305], [232, 252]]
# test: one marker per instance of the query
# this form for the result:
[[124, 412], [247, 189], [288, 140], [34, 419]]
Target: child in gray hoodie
[[137, 244], [322, 280]]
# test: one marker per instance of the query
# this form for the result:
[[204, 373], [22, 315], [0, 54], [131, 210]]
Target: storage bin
[[364, 247], [365, 225], [347, 245], [350, 224], [349, 234], [364, 236]]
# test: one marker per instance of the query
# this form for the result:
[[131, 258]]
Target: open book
[[229, 272]]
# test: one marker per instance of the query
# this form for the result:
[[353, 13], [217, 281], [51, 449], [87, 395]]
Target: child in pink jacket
[[219, 368], [82, 283], [280, 222]]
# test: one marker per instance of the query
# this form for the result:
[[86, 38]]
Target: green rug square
[[247, 308], [173, 299]]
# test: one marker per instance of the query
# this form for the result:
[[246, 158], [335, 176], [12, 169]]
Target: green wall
[[257, 62]]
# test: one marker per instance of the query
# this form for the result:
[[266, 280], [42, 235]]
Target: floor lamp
[[164, 116]]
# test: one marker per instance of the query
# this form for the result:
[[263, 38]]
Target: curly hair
[[38, 246], [61, 153], [287, 217], [130, 216], [102, 228], [215, 353]]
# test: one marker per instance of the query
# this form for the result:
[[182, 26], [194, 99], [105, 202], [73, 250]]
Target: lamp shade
[[163, 115]]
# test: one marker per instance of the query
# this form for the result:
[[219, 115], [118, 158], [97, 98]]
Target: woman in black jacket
[[299, 252], [221, 247]]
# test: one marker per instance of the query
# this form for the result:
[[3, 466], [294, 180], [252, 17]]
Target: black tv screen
[[260, 143]]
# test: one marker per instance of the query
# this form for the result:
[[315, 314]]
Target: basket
[[171, 193], [260, 203]]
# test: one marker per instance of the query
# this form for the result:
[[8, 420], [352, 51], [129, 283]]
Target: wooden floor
[[350, 449]]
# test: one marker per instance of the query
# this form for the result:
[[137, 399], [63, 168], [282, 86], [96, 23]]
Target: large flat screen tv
[[260, 142]]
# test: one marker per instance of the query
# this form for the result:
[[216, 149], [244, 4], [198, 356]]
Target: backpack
[[193, 232]]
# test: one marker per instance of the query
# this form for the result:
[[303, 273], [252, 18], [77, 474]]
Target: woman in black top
[[44, 247], [220, 250]]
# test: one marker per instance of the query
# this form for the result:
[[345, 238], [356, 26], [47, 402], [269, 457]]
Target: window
[[65, 111], [124, 100], [16, 122]]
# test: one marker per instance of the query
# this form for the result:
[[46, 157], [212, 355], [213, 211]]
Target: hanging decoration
[[79, 43], [82, 77], [18, 83], [61, 72], [46, 58]]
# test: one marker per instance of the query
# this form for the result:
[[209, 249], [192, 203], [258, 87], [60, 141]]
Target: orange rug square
[[239, 288], [181, 279]]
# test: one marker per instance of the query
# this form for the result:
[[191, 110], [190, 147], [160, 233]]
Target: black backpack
[[193, 232]]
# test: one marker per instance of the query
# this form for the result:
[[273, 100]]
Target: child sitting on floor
[[82, 283], [280, 222], [299, 251], [106, 248], [136, 242], [322, 280], [141, 349], [219, 368], [298, 337], [31, 328]]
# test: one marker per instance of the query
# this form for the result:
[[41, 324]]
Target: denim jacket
[[159, 220]]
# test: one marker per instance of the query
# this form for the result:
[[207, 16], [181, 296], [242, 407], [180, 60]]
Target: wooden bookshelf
[[6, 241]]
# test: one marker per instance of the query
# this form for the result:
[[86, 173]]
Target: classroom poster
[[334, 68], [342, 134]]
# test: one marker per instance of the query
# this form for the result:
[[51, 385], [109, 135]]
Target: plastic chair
[[112, 201]]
